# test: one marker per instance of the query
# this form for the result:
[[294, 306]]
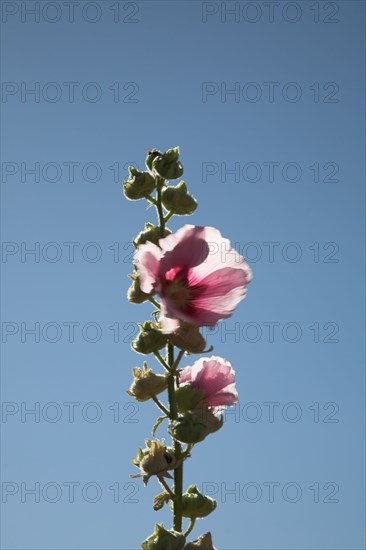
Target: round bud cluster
[[196, 505], [167, 165], [149, 339], [204, 542], [146, 384], [139, 185], [162, 539]]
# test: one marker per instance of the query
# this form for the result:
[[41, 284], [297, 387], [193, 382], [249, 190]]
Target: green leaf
[[160, 500], [157, 424]]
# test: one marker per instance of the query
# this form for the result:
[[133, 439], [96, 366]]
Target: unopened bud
[[153, 153], [188, 397], [178, 200], [149, 339], [188, 338], [189, 428], [146, 384], [204, 542], [213, 422], [138, 185], [164, 540], [135, 294], [167, 165], [195, 504], [151, 234], [156, 459]]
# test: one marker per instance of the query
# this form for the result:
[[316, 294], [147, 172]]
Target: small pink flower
[[215, 377], [198, 276]]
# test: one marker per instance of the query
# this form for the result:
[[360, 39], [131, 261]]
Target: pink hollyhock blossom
[[198, 276], [215, 377]]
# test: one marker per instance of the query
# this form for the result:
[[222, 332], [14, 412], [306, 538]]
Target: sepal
[[178, 200], [167, 166], [162, 539], [146, 384], [204, 542], [149, 339], [139, 185], [155, 459]]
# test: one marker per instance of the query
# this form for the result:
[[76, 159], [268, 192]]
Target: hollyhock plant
[[215, 378], [193, 278], [198, 276]]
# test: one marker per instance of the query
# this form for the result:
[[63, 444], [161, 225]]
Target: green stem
[[156, 304], [178, 472], [151, 199], [159, 208], [162, 361], [178, 359], [165, 486], [170, 366], [168, 216], [160, 405], [190, 528], [189, 448]]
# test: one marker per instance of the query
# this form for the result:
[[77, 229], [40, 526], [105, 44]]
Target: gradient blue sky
[[161, 54]]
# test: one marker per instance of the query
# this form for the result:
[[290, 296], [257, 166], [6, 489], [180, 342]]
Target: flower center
[[177, 288]]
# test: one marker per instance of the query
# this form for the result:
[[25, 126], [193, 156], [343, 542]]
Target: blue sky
[[265, 103]]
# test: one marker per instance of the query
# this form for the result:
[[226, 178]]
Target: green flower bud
[[188, 338], [167, 165], [189, 428], [156, 459], [150, 157], [188, 397], [204, 542], [164, 540], [135, 294], [138, 185], [151, 234], [178, 200], [196, 505], [212, 421], [149, 339], [146, 384]]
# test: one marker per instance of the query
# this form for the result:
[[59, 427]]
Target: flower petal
[[228, 396], [185, 375], [147, 259], [212, 375], [222, 305], [210, 276], [221, 255], [216, 378], [184, 249], [222, 281], [168, 324], [169, 316]]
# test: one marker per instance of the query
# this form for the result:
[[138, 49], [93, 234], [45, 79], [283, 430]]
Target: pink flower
[[198, 276], [215, 377]]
